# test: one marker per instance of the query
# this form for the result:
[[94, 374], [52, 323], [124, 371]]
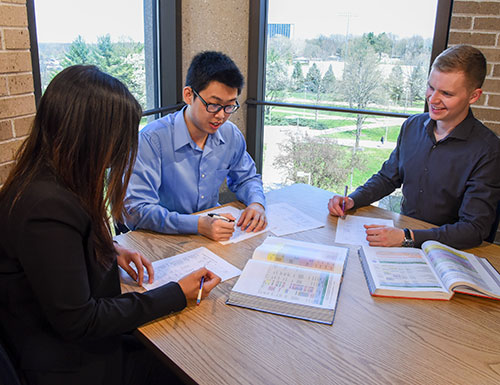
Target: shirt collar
[[461, 131], [183, 138]]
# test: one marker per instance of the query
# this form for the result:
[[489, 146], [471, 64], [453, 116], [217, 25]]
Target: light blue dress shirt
[[174, 177]]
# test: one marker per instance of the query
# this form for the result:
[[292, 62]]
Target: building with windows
[[285, 30]]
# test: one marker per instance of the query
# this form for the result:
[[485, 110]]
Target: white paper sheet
[[351, 231], [176, 267], [285, 219]]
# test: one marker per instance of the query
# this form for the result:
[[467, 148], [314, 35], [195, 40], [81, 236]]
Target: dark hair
[[209, 66], [466, 59], [85, 131]]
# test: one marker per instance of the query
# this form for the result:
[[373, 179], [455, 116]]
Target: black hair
[[85, 131], [213, 66]]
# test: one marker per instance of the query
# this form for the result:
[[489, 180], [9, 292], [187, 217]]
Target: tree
[[321, 157], [276, 77], [396, 84], [313, 84], [328, 81], [297, 77], [361, 79], [416, 84], [78, 53], [313, 79]]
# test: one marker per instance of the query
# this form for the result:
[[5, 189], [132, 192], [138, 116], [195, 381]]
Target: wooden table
[[372, 340]]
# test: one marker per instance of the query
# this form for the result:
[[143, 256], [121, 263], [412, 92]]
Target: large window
[[124, 39], [357, 68]]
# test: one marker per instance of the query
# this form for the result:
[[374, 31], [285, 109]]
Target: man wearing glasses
[[184, 157]]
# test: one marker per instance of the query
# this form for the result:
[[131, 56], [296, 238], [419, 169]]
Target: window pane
[[359, 54], [109, 34]]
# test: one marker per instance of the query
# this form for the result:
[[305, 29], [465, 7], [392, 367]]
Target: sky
[[404, 18], [61, 21]]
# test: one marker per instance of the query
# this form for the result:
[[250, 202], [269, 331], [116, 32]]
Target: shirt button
[[426, 169], [203, 197], [203, 175], [420, 191], [434, 146]]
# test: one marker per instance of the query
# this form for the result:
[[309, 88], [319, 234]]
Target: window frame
[[257, 49]]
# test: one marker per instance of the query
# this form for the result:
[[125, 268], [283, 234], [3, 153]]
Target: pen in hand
[[217, 216], [343, 202], [198, 300]]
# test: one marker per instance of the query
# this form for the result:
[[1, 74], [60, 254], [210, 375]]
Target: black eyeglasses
[[214, 108]]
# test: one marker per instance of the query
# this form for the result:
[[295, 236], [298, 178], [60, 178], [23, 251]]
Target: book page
[[290, 284], [173, 268], [351, 231], [404, 269], [456, 267], [305, 254], [285, 219]]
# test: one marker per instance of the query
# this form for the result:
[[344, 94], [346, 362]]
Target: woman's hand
[[126, 256], [190, 284]]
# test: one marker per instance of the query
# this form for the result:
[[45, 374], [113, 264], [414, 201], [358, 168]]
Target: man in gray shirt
[[445, 160]]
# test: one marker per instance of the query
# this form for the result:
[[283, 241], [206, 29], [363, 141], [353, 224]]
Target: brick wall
[[478, 23], [17, 101]]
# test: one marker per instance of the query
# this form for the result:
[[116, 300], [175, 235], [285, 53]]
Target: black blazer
[[61, 312]]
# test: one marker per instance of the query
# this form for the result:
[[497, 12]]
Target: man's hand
[[253, 218], [216, 229], [190, 284], [126, 256], [384, 236], [335, 205]]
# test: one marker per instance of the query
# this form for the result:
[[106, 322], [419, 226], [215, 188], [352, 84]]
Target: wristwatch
[[408, 241]]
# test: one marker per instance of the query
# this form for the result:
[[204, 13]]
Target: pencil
[[343, 202], [198, 300]]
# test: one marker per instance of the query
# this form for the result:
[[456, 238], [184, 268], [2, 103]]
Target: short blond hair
[[466, 59]]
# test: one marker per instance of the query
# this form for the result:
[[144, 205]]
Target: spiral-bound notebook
[[292, 278]]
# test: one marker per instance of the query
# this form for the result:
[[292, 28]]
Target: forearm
[[373, 190], [157, 218], [251, 192], [460, 235]]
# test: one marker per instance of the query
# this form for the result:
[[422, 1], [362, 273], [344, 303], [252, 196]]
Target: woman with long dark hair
[[62, 314]]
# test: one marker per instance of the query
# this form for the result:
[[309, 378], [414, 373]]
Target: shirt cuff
[[258, 199], [420, 236], [187, 224]]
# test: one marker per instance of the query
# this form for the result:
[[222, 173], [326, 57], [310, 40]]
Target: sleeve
[[142, 201], [51, 251], [242, 178], [477, 212], [382, 183]]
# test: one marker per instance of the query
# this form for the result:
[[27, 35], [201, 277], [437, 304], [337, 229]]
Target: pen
[[343, 202], [198, 300], [217, 216]]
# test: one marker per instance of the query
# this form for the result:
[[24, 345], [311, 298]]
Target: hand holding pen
[[217, 216], [199, 283], [343, 202], [339, 205]]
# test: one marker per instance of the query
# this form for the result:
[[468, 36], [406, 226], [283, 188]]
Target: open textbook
[[174, 268], [292, 278], [435, 272], [282, 218]]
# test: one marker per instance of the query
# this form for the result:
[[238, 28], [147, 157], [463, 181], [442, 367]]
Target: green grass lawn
[[373, 158], [373, 134]]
